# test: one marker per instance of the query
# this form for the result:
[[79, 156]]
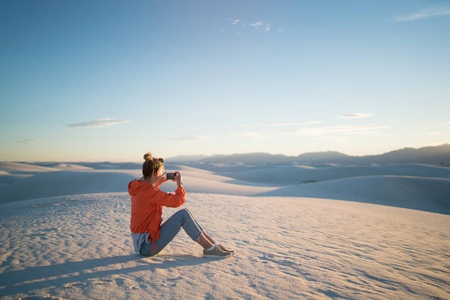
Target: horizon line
[[212, 155]]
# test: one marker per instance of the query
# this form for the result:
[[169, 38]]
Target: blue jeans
[[170, 228]]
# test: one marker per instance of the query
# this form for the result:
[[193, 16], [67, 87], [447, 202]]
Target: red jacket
[[146, 206]]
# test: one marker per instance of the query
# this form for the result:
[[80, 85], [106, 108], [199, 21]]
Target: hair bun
[[148, 156]]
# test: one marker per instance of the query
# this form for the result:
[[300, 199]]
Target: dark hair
[[151, 165]]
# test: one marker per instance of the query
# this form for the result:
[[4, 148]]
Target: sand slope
[[73, 181], [294, 174], [23, 168], [428, 194], [78, 247], [64, 183]]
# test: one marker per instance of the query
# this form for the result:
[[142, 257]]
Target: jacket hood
[[136, 185]]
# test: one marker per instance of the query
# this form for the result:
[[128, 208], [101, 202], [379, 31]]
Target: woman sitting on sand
[[149, 235]]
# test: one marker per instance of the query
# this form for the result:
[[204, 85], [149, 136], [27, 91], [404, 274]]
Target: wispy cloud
[[434, 133], [28, 141], [371, 130], [424, 14], [355, 116], [190, 138], [97, 123], [282, 124], [292, 124], [252, 135], [257, 24]]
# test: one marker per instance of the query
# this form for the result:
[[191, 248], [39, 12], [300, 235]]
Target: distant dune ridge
[[429, 155], [300, 230]]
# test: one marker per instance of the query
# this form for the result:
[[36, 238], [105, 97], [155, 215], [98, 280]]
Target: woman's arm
[[156, 196], [178, 179], [171, 200]]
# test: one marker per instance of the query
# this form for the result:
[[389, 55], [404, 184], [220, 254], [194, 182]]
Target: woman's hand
[[159, 179], [178, 178]]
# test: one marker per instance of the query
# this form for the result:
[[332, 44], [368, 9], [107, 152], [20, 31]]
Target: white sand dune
[[292, 174], [6, 177], [11, 172], [72, 167], [428, 194], [59, 183], [78, 247], [23, 168], [202, 181], [424, 193], [64, 183]]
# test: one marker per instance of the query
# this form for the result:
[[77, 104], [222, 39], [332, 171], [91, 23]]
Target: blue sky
[[110, 80]]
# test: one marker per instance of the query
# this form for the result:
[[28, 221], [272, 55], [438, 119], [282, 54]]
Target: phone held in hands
[[170, 176]]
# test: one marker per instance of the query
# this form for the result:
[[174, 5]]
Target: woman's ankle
[[204, 242], [212, 248]]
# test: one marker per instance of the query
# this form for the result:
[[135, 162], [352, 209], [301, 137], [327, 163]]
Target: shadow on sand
[[57, 275]]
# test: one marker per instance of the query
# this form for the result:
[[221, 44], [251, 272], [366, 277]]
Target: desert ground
[[299, 231]]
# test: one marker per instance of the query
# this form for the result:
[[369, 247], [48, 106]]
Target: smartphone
[[170, 176]]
